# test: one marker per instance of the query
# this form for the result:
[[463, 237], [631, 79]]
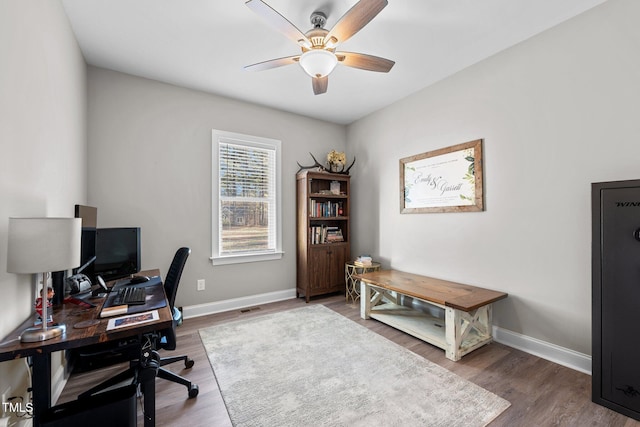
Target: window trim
[[217, 137]]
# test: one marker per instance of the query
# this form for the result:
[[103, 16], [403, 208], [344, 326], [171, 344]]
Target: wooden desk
[[69, 314], [460, 319]]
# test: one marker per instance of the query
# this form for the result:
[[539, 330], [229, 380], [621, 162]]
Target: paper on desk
[[132, 320]]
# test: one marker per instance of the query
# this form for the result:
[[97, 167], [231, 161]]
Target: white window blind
[[246, 198]]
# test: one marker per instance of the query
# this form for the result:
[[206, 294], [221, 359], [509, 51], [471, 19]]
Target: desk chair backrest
[[168, 336], [172, 278]]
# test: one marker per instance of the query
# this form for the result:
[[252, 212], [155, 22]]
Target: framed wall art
[[444, 180]]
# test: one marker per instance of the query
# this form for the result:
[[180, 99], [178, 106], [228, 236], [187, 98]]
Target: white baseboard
[[560, 355], [554, 353], [236, 303]]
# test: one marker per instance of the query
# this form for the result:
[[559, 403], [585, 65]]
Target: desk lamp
[[43, 245]]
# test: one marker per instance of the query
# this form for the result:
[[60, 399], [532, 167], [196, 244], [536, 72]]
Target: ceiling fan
[[319, 56]]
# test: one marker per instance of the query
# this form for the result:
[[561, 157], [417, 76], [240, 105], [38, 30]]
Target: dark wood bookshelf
[[320, 264]]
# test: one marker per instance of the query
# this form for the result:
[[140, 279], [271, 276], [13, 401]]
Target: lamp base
[[39, 334]]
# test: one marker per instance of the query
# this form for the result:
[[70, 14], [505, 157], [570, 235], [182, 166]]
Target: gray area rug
[[313, 367]]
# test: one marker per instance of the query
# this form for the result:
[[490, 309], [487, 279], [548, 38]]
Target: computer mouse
[[138, 279]]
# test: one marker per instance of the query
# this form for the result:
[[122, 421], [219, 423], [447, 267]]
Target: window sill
[[239, 259]]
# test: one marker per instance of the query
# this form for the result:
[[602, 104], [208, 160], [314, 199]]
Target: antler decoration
[[350, 166], [322, 168], [316, 165]]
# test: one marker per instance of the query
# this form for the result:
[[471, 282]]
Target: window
[[246, 213]]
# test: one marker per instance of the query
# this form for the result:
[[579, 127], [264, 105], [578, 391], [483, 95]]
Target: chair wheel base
[[188, 363], [193, 391]]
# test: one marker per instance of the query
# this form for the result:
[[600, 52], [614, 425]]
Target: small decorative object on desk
[[38, 305], [363, 261]]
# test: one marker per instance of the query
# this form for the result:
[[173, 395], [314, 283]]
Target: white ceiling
[[204, 44]]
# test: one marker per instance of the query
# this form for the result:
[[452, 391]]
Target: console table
[[459, 319]]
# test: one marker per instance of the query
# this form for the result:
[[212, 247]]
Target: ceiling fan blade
[[354, 20], [272, 63], [278, 21], [365, 62], [320, 84]]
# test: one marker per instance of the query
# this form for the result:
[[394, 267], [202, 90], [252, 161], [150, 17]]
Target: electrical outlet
[[201, 284]]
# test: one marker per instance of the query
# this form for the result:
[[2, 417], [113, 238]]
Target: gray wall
[[556, 112], [150, 166], [42, 138]]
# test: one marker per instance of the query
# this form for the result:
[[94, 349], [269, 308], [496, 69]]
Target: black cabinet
[[616, 296]]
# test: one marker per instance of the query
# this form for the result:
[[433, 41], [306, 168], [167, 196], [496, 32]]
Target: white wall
[[42, 136], [150, 166], [556, 113]]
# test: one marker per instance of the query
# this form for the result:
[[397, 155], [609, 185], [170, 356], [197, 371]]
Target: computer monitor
[[117, 252]]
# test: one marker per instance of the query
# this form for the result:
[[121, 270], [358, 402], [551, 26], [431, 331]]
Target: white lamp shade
[[318, 62], [42, 245]]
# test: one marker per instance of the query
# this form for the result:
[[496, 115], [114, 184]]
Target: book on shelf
[[319, 234], [318, 209], [334, 235], [363, 261]]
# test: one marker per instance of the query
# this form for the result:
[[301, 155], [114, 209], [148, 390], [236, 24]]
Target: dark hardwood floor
[[541, 393]]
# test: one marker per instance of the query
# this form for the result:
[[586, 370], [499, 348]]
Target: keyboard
[[130, 296]]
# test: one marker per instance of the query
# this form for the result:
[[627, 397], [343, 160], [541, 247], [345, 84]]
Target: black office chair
[[168, 339], [165, 339]]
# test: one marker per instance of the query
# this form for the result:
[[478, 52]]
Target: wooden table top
[[70, 315], [450, 294]]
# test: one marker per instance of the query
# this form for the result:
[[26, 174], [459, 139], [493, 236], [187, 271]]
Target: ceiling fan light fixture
[[318, 62], [304, 43], [331, 42]]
